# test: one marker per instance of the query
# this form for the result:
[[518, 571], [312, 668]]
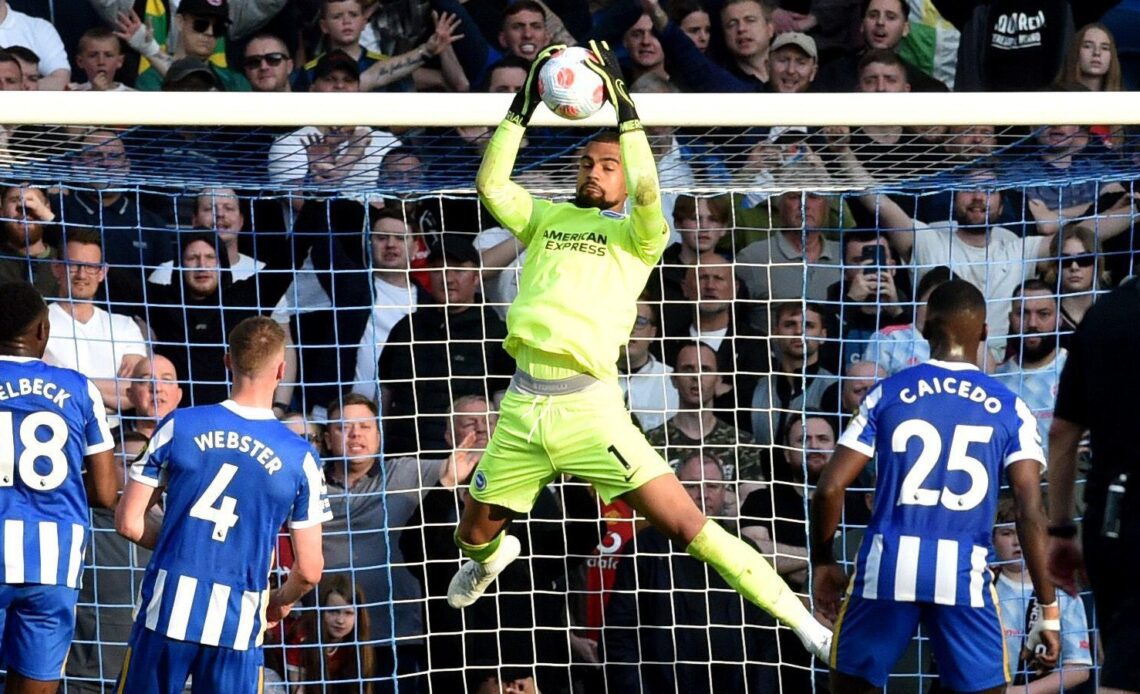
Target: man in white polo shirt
[[103, 346], [19, 29]]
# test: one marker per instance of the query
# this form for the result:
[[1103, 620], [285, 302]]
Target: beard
[[1019, 347], [587, 200], [21, 234]]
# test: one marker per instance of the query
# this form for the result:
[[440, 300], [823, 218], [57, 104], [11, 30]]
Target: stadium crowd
[[767, 321]]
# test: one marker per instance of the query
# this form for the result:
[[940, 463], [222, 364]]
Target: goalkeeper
[[586, 263]]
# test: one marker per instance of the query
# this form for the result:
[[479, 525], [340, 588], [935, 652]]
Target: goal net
[[808, 231]]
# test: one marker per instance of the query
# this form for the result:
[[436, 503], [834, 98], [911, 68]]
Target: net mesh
[[587, 607]]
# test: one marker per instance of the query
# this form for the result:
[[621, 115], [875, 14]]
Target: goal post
[[825, 218]]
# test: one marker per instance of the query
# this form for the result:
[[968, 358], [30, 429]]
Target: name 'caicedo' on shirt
[[951, 386]]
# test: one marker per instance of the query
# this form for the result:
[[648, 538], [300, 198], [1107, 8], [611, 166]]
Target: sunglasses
[[1081, 259], [253, 62], [216, 26]]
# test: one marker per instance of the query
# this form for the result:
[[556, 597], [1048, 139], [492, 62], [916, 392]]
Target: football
[[568, 87]]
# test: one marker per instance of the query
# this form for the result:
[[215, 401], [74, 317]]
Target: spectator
[[192, 315], [190, 75], [1035, 359], [798, 256], [199, 26], [701, 222], [331, 155], [1019, 611], [453, 347], [312, 432], [885, 24], [523, 31], [341, 23], [710, 290], [797, 382], [391, 293], [11, 76], [29, 67], [698, 426], [113, 570], [266, 64], [793, 63], [775, 518], [1092, 60], [857, 380], [104, 346], [24, 254], [100, 57], [645, 52], [1064, 152], [520, 629], [219, 210], [747, 27], [133, 236], [868, 298], [693, 19], [672, 626], [649, 392], [153, 392], [992, 258], [1002, 50], [40, 37], [372, 498], [332, 649], [1074, 269], [898, 347]]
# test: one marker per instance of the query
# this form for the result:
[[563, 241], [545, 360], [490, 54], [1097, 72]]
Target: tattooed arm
[[394, 69]]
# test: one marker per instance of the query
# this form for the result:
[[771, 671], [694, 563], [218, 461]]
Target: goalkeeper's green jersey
[[584, 267]]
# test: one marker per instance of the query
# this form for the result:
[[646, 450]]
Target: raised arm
[[649, 224], [507, 201], [891, 217], [687, 64], [396, 68]]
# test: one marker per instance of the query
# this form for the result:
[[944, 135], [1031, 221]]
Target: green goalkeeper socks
[[749, 573], [480, 553]]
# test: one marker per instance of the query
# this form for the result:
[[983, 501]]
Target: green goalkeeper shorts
[[588, 434]]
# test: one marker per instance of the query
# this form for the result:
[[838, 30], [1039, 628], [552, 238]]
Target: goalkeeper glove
[[527, 99], [609, 70]]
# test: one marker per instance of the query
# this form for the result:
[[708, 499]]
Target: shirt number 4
[[214, 508]]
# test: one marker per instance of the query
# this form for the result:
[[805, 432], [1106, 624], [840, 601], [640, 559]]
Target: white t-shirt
[[95, 348], [504, 287], [305, 294], [997, 269], [288, 161], [650, 393], [392, 303], [244, 268], [712, 338], [86, 87], [19, 29]]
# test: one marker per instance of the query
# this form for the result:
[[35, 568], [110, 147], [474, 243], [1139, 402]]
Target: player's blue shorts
[[37, 629], [872, 635], [156, 664]]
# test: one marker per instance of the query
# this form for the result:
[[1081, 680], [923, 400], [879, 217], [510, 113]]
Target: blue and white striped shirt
[[941, 433], [51, 418], [233, 475]]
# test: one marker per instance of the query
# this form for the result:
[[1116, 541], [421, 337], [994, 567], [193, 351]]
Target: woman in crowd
[[1092, 61], [1074, 265], [693, 19]]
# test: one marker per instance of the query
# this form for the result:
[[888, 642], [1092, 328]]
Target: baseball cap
[[336, 60], [454, 248], [794, 38], [205, 8], [183, 68]]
